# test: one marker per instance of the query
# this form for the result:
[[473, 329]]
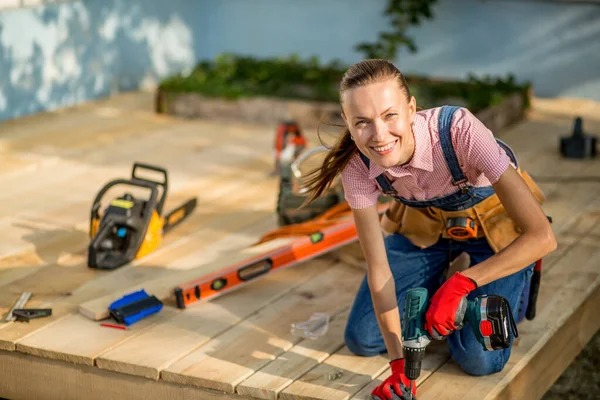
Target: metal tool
[[20, 303], [26, 314]]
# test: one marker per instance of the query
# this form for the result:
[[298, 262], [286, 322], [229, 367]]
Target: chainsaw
[[130, 228], [292, 195]]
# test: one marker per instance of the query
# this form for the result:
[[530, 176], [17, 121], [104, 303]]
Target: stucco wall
[[61, 54]]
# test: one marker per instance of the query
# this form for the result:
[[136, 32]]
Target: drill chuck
[[412, 362]]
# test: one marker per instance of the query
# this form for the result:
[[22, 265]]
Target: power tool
[[579, 145], [292, 195], [130, 228], [489, 316]]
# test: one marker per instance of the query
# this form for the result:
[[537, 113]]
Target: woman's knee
[[358, 342], [479, 366], [469, 354], [482, 363]]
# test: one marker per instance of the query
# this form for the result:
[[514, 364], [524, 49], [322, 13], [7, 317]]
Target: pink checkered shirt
[[427, 176]]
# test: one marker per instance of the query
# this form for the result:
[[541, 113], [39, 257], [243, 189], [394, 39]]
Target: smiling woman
[[442, 166], [381, 117]]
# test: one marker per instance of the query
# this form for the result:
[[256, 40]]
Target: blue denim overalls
[[412, 266]]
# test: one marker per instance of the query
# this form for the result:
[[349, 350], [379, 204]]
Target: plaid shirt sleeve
[[359, 190], [476, 147]]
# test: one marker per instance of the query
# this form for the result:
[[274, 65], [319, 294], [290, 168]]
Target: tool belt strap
[[424, 226]]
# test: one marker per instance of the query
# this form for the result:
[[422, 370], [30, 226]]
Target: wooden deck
[[239, 346]]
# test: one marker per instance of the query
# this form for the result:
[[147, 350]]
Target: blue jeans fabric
[[415, 267]]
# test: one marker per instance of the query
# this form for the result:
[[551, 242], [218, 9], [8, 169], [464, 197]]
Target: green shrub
[[232, 76]]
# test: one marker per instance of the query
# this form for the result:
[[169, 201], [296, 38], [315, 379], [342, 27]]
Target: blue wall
[[62, 54]]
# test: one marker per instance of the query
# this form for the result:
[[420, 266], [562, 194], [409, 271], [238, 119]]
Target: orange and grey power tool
[[130, 228]]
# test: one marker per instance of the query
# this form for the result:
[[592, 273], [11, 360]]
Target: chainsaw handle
[[164, 183], [135, 182]]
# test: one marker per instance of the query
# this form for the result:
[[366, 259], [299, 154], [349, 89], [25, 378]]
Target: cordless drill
[[489, 316]]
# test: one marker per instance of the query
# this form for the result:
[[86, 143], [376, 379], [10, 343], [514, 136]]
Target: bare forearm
[[525, 250], [383, 293], [535, 241], [381, 281]]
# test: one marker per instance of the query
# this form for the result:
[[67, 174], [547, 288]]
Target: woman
[[437, 163]]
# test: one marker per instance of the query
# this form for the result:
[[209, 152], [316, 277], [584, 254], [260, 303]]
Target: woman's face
[[380, 121]]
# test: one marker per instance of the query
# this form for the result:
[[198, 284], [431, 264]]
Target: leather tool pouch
[[424, 226]]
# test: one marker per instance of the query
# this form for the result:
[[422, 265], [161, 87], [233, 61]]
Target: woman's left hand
[[441, 315]]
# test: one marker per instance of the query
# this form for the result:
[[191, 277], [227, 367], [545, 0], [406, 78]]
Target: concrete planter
[[259, 110], [511, 110], [308, 114]]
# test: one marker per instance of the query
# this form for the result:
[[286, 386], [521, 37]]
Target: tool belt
[[488, 218]]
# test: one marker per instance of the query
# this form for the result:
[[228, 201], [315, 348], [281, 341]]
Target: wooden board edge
[[549, 362], [24, 376]]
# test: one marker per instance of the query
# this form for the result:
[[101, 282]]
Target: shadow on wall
[[62, 54]]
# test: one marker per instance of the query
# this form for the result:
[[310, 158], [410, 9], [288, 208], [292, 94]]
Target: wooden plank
[[227, 360], [24, 376], [76, 339], [355, 375], [158, 347], [270, 380], [79, 121], [186, 144], [564, 345], [12, 331]]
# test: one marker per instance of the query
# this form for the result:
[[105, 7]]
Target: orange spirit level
[[336, 228]]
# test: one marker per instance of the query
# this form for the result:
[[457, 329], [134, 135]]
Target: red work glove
[[396, 381], [441, 315]]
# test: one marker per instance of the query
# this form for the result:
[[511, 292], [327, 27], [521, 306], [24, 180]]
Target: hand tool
[[329, 231], [489, 317], [20, 303], [26, 314], [461, 228], [130, 228], [534, 290], [133, 307]]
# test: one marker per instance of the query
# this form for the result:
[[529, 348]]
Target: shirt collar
[[422, 158]]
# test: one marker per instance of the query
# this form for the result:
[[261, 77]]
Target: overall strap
[[382, 180], [444, 125]]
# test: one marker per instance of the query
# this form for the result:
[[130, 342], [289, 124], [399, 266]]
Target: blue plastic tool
[[133, 307]]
